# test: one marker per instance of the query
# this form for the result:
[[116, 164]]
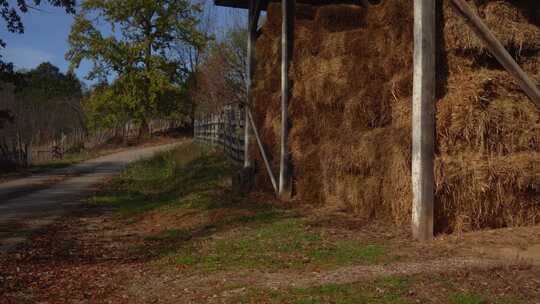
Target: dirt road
[[30, 203]]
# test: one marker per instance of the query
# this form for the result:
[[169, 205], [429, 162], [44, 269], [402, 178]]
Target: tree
[[47, 84], [45, 103], [221, 78], [5, 117], [113, 105], [137, 53], [10, 13], [189, 55]]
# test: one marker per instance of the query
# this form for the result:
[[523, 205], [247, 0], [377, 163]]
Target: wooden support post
[[423, 119], [287, 43], [497, 49], [254, 19], [250, 73]]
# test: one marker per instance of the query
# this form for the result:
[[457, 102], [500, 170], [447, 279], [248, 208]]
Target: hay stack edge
[[351, 113]]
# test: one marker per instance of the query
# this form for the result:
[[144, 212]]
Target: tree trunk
[[144, 130]]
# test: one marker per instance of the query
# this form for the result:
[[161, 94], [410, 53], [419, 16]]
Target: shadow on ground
[[170, 230]]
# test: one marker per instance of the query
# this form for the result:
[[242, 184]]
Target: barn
[[422, 113]]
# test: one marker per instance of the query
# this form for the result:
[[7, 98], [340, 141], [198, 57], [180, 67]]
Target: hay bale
[[475, 191], [336, 18], [508, 22], [351, 114], [485, 111]]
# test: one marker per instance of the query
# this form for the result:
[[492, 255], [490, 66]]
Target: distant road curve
[[25, 208]]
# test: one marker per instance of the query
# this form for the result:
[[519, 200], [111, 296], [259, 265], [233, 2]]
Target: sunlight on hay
[[351, 113]]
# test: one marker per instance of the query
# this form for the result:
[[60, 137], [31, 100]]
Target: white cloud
[[26, 58]]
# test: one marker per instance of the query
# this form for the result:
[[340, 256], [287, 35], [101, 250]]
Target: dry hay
[[517, 29], [351, 112]]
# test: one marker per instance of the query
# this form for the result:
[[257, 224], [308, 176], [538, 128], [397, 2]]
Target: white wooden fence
[[223, 129]]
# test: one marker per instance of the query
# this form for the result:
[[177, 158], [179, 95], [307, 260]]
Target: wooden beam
[[250, 73], [423, 119], [244, 4], [258, 33], [497, 49], [254, 19], [263, 152], [287, 43], [365, 3]]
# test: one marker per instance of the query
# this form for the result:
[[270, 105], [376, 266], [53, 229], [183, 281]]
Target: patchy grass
[[191, 224], [184, 178], [461, 298], [466, 298], [386, 290], [72, 158], [180, 236], [273, 241], [213, 230], [172, 234], [68, 160], [381, 291]]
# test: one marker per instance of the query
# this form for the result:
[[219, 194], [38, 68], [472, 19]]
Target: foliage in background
[[138, 52], [45, 103], [10, 12], [111, 106], [5, 117], [222, 78]]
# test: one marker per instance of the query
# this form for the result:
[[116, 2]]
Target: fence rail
[[18, 152], [223, 129]]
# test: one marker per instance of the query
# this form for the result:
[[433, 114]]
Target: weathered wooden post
[[29, 156], [287, 43], [423, 119], [252, 36], [246, 176]]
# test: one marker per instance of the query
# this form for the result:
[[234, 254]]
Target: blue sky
[[46, 32]]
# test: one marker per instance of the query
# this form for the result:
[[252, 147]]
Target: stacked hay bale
[[351, 113]]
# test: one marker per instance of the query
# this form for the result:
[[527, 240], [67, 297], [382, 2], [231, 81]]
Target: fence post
[[29, 153], [252, 36]]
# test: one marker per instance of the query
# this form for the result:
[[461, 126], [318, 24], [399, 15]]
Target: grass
[[191, 182], [385, 290], [173, 234], [67, 161], [380, 291], [199, 227], [271, 241], [183, 178], [461, 298], [465, 298]]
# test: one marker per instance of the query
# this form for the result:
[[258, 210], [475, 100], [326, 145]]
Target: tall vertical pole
[[423, 119], [287, 43], [250, 73]]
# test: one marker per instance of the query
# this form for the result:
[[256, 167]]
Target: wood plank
[[287, 43], [423, 119], [250, 76], [263, 152], [244, 4], [254, 20], [497, 49]]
